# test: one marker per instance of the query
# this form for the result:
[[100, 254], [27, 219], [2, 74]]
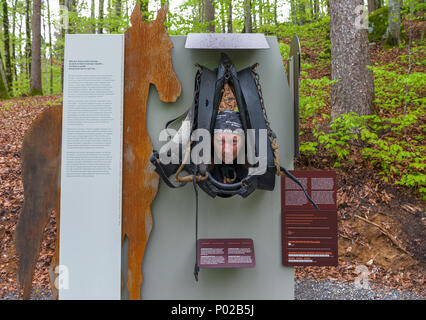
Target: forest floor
[[389, 239]]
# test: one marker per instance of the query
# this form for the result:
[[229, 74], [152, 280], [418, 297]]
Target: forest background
[[362, 109]]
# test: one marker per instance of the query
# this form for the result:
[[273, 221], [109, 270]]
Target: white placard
[[90, 224]]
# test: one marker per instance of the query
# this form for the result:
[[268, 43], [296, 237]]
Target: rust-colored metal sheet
[[41, 165], [147, 60]]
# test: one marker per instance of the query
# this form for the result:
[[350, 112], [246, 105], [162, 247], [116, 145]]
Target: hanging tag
[[226, 253]]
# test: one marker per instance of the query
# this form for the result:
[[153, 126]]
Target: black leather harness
[[202, 115]]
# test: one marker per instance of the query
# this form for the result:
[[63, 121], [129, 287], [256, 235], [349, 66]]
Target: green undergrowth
[[391, 140]]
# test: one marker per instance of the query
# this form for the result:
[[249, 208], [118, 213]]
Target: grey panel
[[170, 254], [294, 76], [226, 41]]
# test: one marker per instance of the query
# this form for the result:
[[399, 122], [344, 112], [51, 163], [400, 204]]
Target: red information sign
[[309, 236], [226, 253]]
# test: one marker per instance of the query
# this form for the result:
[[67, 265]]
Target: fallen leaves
[[16, 115], [359, 192]]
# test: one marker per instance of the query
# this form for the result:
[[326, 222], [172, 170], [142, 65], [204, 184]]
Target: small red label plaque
[[309, 236], [225, 253]]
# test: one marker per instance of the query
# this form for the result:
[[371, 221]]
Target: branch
[[391, 237]]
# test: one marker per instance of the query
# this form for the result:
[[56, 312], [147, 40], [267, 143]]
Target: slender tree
[[50, 48], [394, 26], [209, 15], [275, 13], [230, 16], [101, 17], [222, 15], [35, 83], [6, 40], [293, 11], [4, 92], [92, 17], [118, 14], [301, 12], [260, 12], [316, 9], [144, 9], [371, 5], [14, 10], [28, 36], [247, 16], [354, 89], [253, 15]]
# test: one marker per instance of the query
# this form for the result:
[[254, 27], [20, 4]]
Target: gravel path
[[309, 289]]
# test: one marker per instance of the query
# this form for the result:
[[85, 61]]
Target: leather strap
[[155, 160]]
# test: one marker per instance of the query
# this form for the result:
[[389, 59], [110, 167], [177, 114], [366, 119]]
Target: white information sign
[[90, 224]]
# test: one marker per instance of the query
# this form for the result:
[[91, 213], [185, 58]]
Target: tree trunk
[[316, 9], [71, 7], [118, 14], [4, 92], [209, 15], [93, 17], [253, 17], [50, 49], [44, 58], [101, 17], [354, 89], [394, 27], [247, 16], [14, 41], [275, 13], [108, 25], [261, 10], [118, 8], [28, 36], [371, 5], [223, 14], [144, 9], [21, 47], [293, 11], [6, 37], [35, 83], [230, 16], [301, 12]]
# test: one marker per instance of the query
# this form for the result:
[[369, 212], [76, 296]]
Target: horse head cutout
[[152, 58]]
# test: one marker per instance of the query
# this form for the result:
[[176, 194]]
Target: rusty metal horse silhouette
[[147, 61]]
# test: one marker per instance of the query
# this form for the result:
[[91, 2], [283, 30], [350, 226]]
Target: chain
[[197, 84], [271, 134]]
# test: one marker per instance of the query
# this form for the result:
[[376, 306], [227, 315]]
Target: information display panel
[[309, 236], [226, 253], [90, 225]]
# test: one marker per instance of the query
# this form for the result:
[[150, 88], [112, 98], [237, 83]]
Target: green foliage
[[378, 138], [308, 148], [284, 50], [377, 24], [314, 95]]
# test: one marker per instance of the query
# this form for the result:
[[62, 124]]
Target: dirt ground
[[393, 249]]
